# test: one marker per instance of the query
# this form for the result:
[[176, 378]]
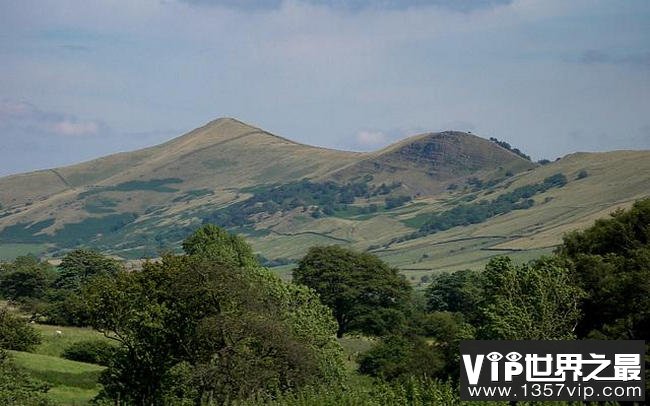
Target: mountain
[[435, 201]]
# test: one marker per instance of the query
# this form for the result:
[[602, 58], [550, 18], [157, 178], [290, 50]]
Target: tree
[[459, 291], [611, 262], [448, 330], [77, 269], [206, 330], [399, 356], [536, 301], [16, 334], [80, 265], [25, 278], [215, 242], [365, 294]]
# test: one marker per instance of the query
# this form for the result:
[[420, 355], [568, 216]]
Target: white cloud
[[75, 128], [18, 117], [371, 138]]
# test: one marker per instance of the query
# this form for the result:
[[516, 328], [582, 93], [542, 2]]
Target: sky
[[80, 79]]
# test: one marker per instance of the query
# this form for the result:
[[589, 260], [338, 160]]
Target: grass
[[73, 383], [283, 271], [9, 252], [53, 344]]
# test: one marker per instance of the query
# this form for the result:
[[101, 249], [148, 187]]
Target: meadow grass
[[9, 252], [72, 383], [54, 344]]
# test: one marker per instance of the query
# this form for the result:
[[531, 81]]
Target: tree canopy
[[365, 294], [205, 328], [611, 262]]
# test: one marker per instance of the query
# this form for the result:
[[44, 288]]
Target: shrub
[[15, 334], [91, 351], [582, 174], [399, 357]]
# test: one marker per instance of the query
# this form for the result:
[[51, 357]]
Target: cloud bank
[[331, 73]]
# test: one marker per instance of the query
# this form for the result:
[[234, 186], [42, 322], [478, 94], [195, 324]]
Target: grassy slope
[[227, 155], [11, 251], [73, 383], [221, 156], [615, 179]]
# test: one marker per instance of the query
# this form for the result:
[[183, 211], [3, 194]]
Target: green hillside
[[429, 203]]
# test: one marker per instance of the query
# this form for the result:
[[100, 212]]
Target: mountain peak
[[425, 163]]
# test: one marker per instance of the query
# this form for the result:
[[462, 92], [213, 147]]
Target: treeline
[[473, 213], [510, 148], [211, 326], [319, 198]]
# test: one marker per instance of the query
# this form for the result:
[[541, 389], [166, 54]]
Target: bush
[[582, 174], [15, 334], [399, 357], [91, 351]]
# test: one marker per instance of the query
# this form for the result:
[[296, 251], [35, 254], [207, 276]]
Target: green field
[[9, 252], [73, 383], [54, 344]]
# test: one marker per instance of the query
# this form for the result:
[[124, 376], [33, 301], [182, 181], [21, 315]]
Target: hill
[[435, 201]]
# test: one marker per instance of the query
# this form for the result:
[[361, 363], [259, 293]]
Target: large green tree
[[81, 265], [16, 334], [459, 291], [194, 328], [365, 294], [535, 301], [77, 269], [25, 278], [611, 262]]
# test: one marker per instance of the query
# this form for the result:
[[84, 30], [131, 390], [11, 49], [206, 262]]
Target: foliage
[[100, 205], [460, 291], [474, 213], [399, 356], [155, 185], [77, 269], [25, 277], [510, 148], [239, 329], [91, 351], [611, 262], [17, 388], [16, 334], [25, 232], [80, 265], [321, 198], [72, 234], [411, 391], [535, 301], [365, 294], [214, 242], [397, 201]]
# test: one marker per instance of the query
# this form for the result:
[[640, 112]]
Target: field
[[9, 252], [72, 383]]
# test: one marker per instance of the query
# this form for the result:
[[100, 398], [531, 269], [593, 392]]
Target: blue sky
[[81, 79]]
